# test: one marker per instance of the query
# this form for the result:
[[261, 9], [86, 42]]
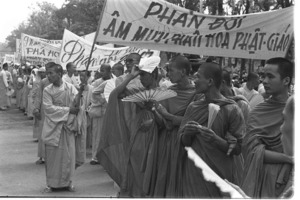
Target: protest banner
[[18, 52], [36, 51], [76, 49], [89, 37], [164, 26], [8, 58]]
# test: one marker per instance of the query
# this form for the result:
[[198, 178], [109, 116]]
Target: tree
[[41, 23], [80, 16], [49, 22]]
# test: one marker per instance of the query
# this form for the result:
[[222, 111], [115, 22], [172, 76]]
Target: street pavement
[[21, 177]]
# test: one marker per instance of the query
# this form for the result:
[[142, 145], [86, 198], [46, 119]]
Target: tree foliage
[[49, 22]]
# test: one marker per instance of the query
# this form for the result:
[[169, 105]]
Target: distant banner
[[77, 50], [18, 52], [8, 58], [164, 26], [36, 51]]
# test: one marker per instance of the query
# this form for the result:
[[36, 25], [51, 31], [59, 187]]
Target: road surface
[[21, 177]]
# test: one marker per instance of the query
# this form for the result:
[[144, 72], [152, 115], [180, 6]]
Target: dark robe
[[125, 151], [167, 139], [263, 180], [188, 180]]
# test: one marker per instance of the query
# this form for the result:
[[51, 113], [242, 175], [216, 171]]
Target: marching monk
[[97, 109], [38, 112], [111, 150], [228, 92], [266, 166], [82, 118], [128, 150], [172, 110], [211, 144], [59, 130]]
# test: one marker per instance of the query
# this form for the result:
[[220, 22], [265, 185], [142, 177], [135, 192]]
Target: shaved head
[[212, 70], [105, 67]]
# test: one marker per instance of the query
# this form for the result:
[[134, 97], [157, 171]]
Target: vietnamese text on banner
[[157, 24], [77, 50], [39, 51]]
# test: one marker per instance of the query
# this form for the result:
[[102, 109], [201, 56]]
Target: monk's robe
[[36, 122], [25, 94], [189, 178], [19, 94], [82, 120], [29, 97], [142, 155], [126, 151], [3, 86], [39, 105], [58, 134], [167, 140], [243, 104], [263, 180], [96, 113]]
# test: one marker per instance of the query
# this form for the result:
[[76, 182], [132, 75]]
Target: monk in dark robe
[[172, 111], [211, 144], [242, 102], [267, 168], [128, 150]]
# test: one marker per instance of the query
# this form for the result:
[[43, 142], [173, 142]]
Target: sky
[[14, 12]]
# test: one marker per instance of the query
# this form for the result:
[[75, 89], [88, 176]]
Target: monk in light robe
[[82, 118], [3, 88], [26, 89], [211, 144], [20, 88], [172, 110], [97, 109], [39, 115], [266, 166], [59, 130], [41, 74]]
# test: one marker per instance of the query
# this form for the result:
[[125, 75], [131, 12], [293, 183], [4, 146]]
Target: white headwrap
[[149, 64]]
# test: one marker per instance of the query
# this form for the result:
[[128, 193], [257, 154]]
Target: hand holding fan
[[150, 95]]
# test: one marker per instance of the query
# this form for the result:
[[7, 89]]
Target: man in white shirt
[[249, 92], [69, 76]]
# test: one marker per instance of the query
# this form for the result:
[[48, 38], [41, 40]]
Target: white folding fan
[[156, 94], [109, 87]]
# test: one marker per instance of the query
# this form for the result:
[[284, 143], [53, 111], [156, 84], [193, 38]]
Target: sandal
[[48, 190], [39, 162], [71, 188]]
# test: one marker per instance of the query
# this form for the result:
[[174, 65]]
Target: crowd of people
[[142, 144]]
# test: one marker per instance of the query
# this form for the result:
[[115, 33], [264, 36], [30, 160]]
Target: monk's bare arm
[[272, 157]]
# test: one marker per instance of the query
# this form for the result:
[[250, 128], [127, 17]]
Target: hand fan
[[110, 85], [156, 94]]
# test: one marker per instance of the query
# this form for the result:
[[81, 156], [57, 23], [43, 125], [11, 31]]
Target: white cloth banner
[[8, 58], [37, 51], [77, 50], [157, 24]]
